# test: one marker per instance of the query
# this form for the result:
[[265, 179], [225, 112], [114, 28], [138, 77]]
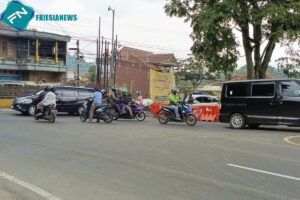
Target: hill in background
[[83, 67]]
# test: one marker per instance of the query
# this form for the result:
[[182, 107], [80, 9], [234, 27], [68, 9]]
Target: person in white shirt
[[49, 99]]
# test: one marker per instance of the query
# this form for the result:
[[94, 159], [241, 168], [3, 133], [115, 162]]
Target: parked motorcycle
[[166, 114], [101, 113], [49, 114], [137, 112]]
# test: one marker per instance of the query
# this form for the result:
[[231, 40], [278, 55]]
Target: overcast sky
[[139, 23]]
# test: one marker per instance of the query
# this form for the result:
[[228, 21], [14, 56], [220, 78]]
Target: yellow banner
[[161, 85]]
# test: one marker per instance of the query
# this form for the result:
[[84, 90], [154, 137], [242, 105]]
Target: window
[[237, 90], [84, 93], [199, 99], [4, 48], [58, 93], [206, 99], [68, 93], [263, 90], [290, 89]]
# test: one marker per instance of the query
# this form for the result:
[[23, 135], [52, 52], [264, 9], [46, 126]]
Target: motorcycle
[[166, 114], [137, 112], [101, 112], [49, 114]]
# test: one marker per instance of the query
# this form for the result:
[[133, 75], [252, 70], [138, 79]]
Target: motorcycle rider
[[139, 97], [40, 99], [49, 99], [126, 99], [97, 100], [116, 101], [173, 100]]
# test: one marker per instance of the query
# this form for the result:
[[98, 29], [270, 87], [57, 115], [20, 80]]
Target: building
[[133, 68], [31, 55]]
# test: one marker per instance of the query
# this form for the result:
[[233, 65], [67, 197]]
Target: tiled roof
[[140, 56], [5, 27]]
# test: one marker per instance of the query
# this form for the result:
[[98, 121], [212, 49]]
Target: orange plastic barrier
[[210, 113], [203, 113], [155, 108], [197, 111]]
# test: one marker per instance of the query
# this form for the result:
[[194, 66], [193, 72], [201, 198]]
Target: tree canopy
[[194, 71], [262, 24]]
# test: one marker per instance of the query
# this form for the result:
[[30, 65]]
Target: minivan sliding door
[[261, 105]]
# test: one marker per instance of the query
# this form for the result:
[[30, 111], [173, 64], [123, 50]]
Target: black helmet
[[113, 88], [52, 89], [46, 88], [174, 90]]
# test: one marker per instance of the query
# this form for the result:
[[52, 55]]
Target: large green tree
[[194, 71], [262, 24]]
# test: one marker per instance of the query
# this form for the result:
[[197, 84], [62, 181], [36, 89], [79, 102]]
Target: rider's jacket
[[126, 99], [115, 95], [173, 99]]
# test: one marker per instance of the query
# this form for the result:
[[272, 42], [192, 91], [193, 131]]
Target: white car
[[205, 100]]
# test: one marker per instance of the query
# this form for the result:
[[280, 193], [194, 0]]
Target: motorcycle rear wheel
[[115, 115], [140, 116], [107, 119], [162, 118], [52, 118]]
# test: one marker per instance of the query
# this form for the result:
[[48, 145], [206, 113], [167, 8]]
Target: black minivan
[[256, 102], [68, 99]]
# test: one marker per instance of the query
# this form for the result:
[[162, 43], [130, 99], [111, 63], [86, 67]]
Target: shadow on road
[[271, 129]]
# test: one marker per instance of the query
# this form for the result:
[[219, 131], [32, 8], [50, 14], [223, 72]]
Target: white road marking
[[264, 172], [29, 186]]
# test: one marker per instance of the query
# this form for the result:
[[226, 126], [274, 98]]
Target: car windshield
[[37, 93]]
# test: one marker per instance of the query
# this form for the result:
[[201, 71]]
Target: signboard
[[161, 85]]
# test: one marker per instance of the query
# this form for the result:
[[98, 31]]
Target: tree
[[290, 65], [92, 73], [262, 25], [194, 71]]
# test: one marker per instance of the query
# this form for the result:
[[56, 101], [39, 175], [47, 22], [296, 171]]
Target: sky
[[140, 24]]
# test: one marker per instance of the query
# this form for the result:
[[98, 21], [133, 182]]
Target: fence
[[12, 91]]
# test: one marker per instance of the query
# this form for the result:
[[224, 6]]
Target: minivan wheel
[[237, 121]]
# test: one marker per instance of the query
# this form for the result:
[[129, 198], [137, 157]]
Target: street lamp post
[[112, 48]]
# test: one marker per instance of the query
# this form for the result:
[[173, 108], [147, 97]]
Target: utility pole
[[99, 56], [115, 59], [112, 46], [97, 67], [101, 60], [78, 61], [98, 79], [107, 61], [78, 79], [105, 66]]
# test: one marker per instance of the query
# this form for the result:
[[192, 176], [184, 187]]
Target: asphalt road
[[131, 160]]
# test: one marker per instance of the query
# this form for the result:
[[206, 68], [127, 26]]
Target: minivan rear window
[[263, 90], [237, 90]]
